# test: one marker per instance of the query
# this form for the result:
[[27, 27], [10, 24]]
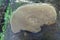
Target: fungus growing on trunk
[[31, 16]]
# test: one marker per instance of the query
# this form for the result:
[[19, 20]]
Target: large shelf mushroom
[[31, 16]]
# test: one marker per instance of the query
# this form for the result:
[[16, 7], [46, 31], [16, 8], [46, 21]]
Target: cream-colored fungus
[[31, 16]]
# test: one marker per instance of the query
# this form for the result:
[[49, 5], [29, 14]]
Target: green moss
[[7, 17]]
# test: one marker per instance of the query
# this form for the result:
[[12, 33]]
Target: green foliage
[[7, 17]]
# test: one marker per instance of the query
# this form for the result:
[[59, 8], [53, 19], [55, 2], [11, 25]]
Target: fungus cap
[[31, 16]]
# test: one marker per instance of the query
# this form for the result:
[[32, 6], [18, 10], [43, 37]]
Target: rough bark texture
[[48, 32]]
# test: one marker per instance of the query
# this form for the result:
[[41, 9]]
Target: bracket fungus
[[31, 16]]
